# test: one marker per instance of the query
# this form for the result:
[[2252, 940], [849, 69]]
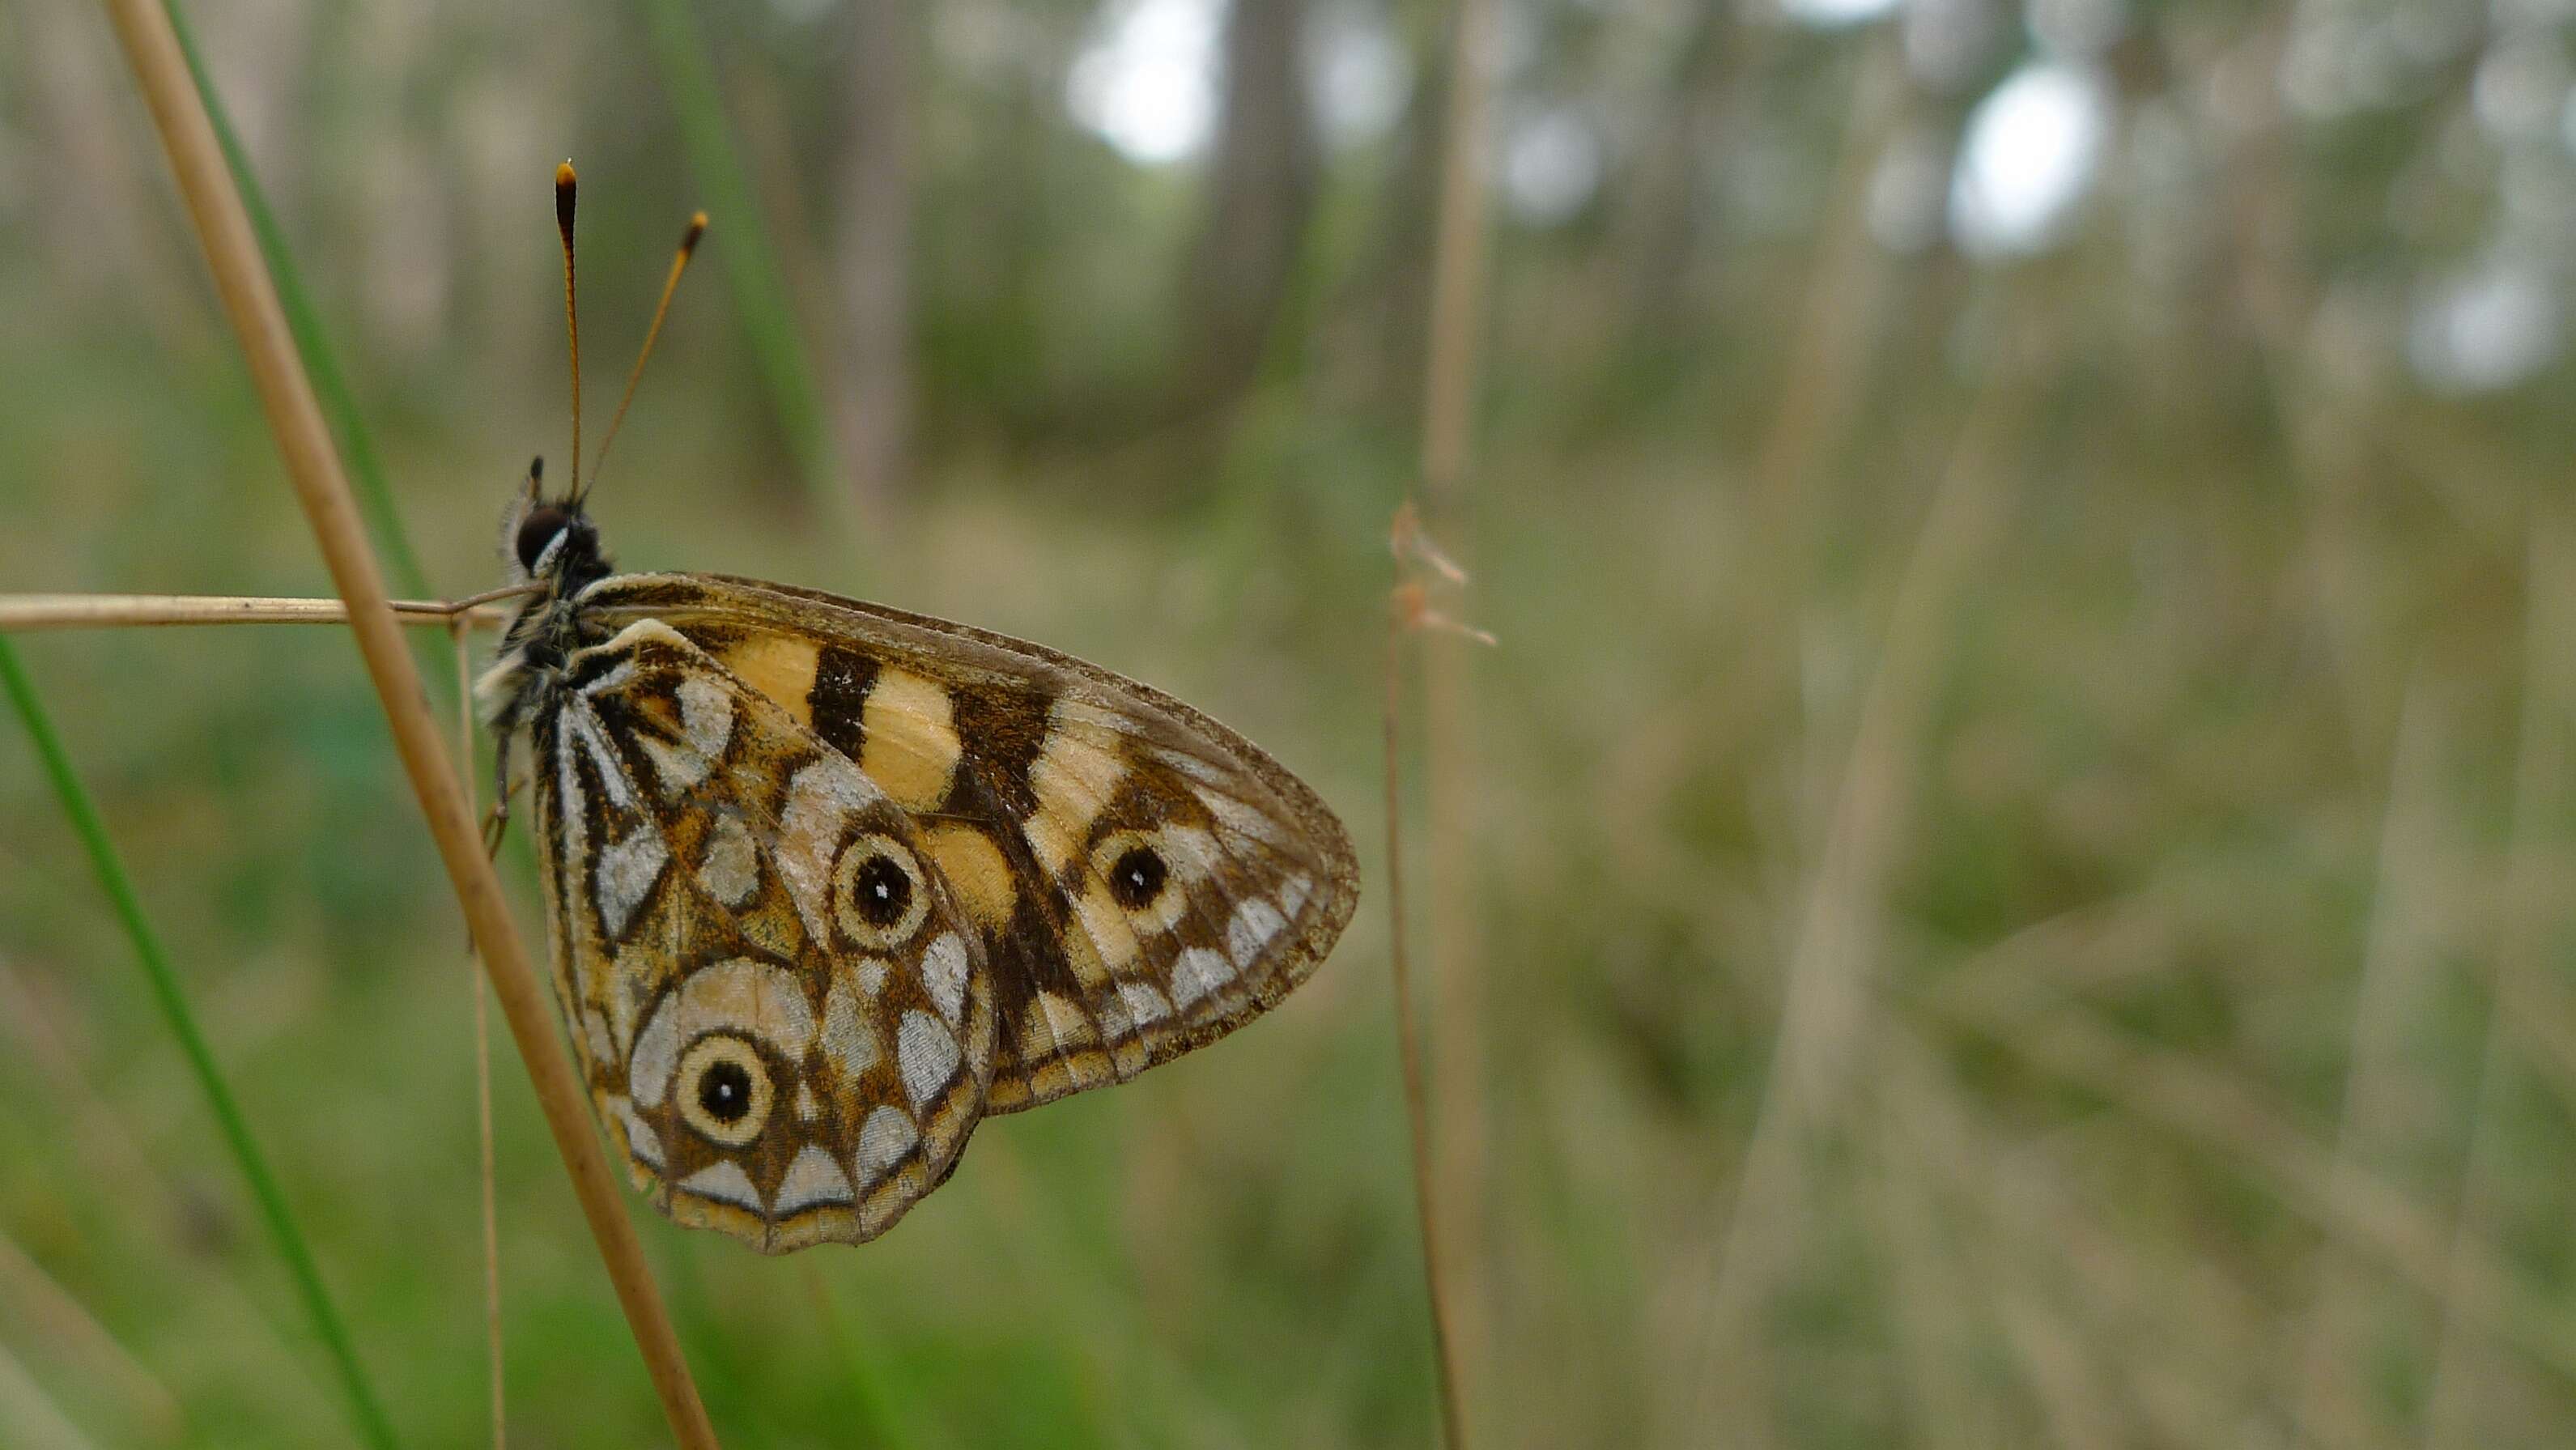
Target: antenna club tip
[[564, 177], [697, 229]]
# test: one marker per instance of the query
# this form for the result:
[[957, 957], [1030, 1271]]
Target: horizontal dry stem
[[25, 613]]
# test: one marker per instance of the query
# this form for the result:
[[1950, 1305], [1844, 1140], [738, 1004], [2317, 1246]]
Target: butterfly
[[828, 883]]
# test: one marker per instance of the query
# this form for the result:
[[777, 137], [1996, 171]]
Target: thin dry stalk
[[482, 1059], [111, 1152], [1826, 992], [313, 466], [1448, 423], [2059, 1372], [1934, 1304], [31, 1416], [2201, 1104], [2165, 1320], [1821, 378], [1402, 619], [2380, 1093], [27, 613], [2460, 1374], [49, 1314]]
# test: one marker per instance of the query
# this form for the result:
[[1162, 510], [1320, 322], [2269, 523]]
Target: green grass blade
[[357, 446], [366, 1409], [752, 269]]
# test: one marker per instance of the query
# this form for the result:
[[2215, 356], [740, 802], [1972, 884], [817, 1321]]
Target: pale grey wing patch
[[761, 1000], [641, 1140], [1199, 972], [883, 1142], [822, 798], [706, 714], [724, 1182], [730, 867], [929, 1056], [626, 873], [849, 1036], [815, 1178], [1255, 925], [944, 970], [602, 860]]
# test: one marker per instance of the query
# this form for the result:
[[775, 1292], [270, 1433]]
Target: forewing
[[776, 1000], [1142, 879]]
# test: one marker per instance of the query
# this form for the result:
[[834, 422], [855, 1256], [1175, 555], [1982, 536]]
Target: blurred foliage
[[2024, 826]]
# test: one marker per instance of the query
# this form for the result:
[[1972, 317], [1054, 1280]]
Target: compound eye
[[724, 1090], [537, 530]]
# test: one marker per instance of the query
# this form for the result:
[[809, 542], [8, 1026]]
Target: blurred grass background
[[2022, 830]]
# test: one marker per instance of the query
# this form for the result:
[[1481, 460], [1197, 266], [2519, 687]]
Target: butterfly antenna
[[565, 185], [661, 309]]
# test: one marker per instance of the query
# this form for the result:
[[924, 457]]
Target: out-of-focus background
[[2016, 841]]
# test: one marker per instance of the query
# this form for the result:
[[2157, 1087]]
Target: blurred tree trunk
[[1665, 221], [874, 261], [1262, 190], [1391, 292]]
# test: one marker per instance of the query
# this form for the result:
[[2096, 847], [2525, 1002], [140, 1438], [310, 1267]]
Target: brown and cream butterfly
[[828, 883]]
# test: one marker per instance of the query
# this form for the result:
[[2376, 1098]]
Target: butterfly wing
[[774, 997], [1142, 880]]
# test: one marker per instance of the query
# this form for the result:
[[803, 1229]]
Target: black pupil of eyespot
[[537, 530], [883, 891], [724, 1090], [1137, 878]]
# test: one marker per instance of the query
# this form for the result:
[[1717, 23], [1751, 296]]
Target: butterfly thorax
[[555, 546]]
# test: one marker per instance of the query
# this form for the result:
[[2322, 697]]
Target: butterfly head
[[552, 541], [552, 544]]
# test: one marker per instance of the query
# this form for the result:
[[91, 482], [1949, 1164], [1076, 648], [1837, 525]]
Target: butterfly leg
[[496, 822]]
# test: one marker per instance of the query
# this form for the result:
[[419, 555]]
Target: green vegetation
[[2023, 829]]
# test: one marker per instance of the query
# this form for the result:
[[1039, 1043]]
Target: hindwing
[[1138, 879], [778, 999]]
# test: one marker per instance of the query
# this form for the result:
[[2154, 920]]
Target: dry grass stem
[[1933, 1306], [482, 1062], [312, 464], [2204, 1105], [2381, 1093], [1448, 431], [27, 613], [1822, 375], [1408, 613], [2029, 1226], [109, 1151], [2532, 919], [34, 1420], [1823, 1015], [49, 1313]]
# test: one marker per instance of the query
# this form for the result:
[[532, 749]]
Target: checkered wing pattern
[[781, 1004], [1136, 879]]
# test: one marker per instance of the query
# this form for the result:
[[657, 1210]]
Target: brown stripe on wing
[[837, 700], [1026, 960]]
